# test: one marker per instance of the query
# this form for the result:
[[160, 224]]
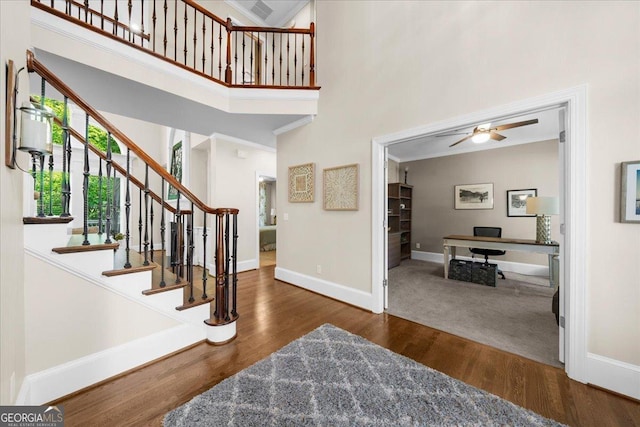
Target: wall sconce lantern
[[543, 207], [36, 125]]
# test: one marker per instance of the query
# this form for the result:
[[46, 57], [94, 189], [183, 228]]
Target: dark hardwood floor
[[273, 313]]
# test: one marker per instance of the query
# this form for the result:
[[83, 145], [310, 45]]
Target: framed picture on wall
[[176, 169], [630, 192], [473, 196], [517, 201]]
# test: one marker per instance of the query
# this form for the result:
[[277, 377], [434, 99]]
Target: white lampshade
[[273, 212], [36, 129], [542, 205]]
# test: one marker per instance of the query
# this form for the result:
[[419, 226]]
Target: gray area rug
[[331, 377], [515, 316]]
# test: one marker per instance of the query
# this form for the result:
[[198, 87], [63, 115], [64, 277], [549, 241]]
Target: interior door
[[562, 120], [385, 225]]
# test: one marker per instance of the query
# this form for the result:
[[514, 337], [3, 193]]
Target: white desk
[[552, 250]]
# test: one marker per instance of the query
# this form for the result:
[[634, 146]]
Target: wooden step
[[197, 290], [47, 220], [136, 260], [96, 243]]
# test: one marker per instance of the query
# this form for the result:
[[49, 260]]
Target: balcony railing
[[189, 36]]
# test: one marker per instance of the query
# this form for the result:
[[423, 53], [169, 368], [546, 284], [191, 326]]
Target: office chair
[[488, 232]]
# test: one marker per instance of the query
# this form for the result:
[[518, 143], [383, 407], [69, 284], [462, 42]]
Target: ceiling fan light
[[480, 137]]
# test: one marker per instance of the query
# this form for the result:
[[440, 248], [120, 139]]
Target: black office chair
[[488, 232]]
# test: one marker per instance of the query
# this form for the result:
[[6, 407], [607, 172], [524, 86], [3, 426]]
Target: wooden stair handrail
[[119, 168], [33, 65]]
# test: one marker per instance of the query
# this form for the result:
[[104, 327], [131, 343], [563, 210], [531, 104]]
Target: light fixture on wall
[[543, 207], [36, 125]]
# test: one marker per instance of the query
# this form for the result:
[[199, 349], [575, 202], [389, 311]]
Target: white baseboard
[[613, 375], [53, 383], [516, 267], [324, 287], [250, 264]]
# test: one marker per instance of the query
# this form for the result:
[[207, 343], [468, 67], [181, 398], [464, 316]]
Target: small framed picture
[[473, 196], [517, 201], [630, 192], [301, 183]]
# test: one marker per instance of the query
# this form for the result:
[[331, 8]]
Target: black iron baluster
[[153, 20], [66, 149], [185, 34], [220, 52], [140, 220], [142, 23], [67, 7], [288, 57], [195, 38], [219, 289], [302, 68], [226, 267], [50, 185], [235, 59], [127, 209], [86, 10], [273, 60], [204, 39], [190, 254], [212, 44], [177, 254], [41, 189], [164, 39], [204, 257], [151, 247], [280, 71], [129, 7], [85, 182], [175, 30], [102, 14], [146, 218], [244, 37], [235, 265], [110, 185], [100, 196], [115, 17], [162, 236]]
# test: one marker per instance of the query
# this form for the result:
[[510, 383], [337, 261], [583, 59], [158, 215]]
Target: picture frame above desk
[[473, 196], [517, 202]]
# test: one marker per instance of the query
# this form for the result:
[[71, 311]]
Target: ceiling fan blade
[[462, 140], [496, 136], [515, 125]]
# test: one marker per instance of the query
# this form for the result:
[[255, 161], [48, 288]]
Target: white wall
[[68, 318], [14, 41], [384, 79], [233, 183]]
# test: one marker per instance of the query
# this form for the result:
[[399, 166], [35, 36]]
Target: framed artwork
[[176, 169], [341, 188], [630, 192], [473, 196], [301, 185], [517, 201]]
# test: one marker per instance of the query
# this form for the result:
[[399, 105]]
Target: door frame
[[573, 267]]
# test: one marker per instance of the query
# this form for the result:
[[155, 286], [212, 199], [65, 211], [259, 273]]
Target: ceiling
[[429, 146], [269, 13]]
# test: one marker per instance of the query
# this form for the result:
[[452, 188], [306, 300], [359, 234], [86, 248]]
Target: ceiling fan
[[484, 132]]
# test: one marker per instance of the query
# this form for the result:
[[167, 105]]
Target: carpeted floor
[[331, 377], [514, 316]]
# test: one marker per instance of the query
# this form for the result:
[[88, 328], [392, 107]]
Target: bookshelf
[[399, 215]]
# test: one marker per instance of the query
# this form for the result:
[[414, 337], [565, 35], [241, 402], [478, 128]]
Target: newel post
[[312, 59], [227, 71]]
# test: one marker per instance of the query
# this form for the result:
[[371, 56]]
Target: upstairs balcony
[[176, 63]]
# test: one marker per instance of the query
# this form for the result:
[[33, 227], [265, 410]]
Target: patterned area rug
[[331, 377]]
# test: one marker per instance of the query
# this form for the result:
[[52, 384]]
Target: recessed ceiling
[[269, 13], [430, 146]]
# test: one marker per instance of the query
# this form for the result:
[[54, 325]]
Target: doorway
[[572, 210], [267, 220]]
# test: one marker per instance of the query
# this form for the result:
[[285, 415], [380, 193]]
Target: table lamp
[[543, 207]]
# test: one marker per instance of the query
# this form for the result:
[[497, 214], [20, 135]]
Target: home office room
[[460, 188]]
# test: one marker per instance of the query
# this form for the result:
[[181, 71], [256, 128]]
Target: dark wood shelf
[[399, 222]]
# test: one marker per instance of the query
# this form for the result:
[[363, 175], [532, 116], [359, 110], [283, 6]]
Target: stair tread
[[47, 220], [96, 243]]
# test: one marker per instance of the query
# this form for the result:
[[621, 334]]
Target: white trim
[[614, 375], [250, 264], [394, 158], [324, 287], [573, 256], [216, 135], [58, 381], [220, 334], [515, 267], [293, 125]]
